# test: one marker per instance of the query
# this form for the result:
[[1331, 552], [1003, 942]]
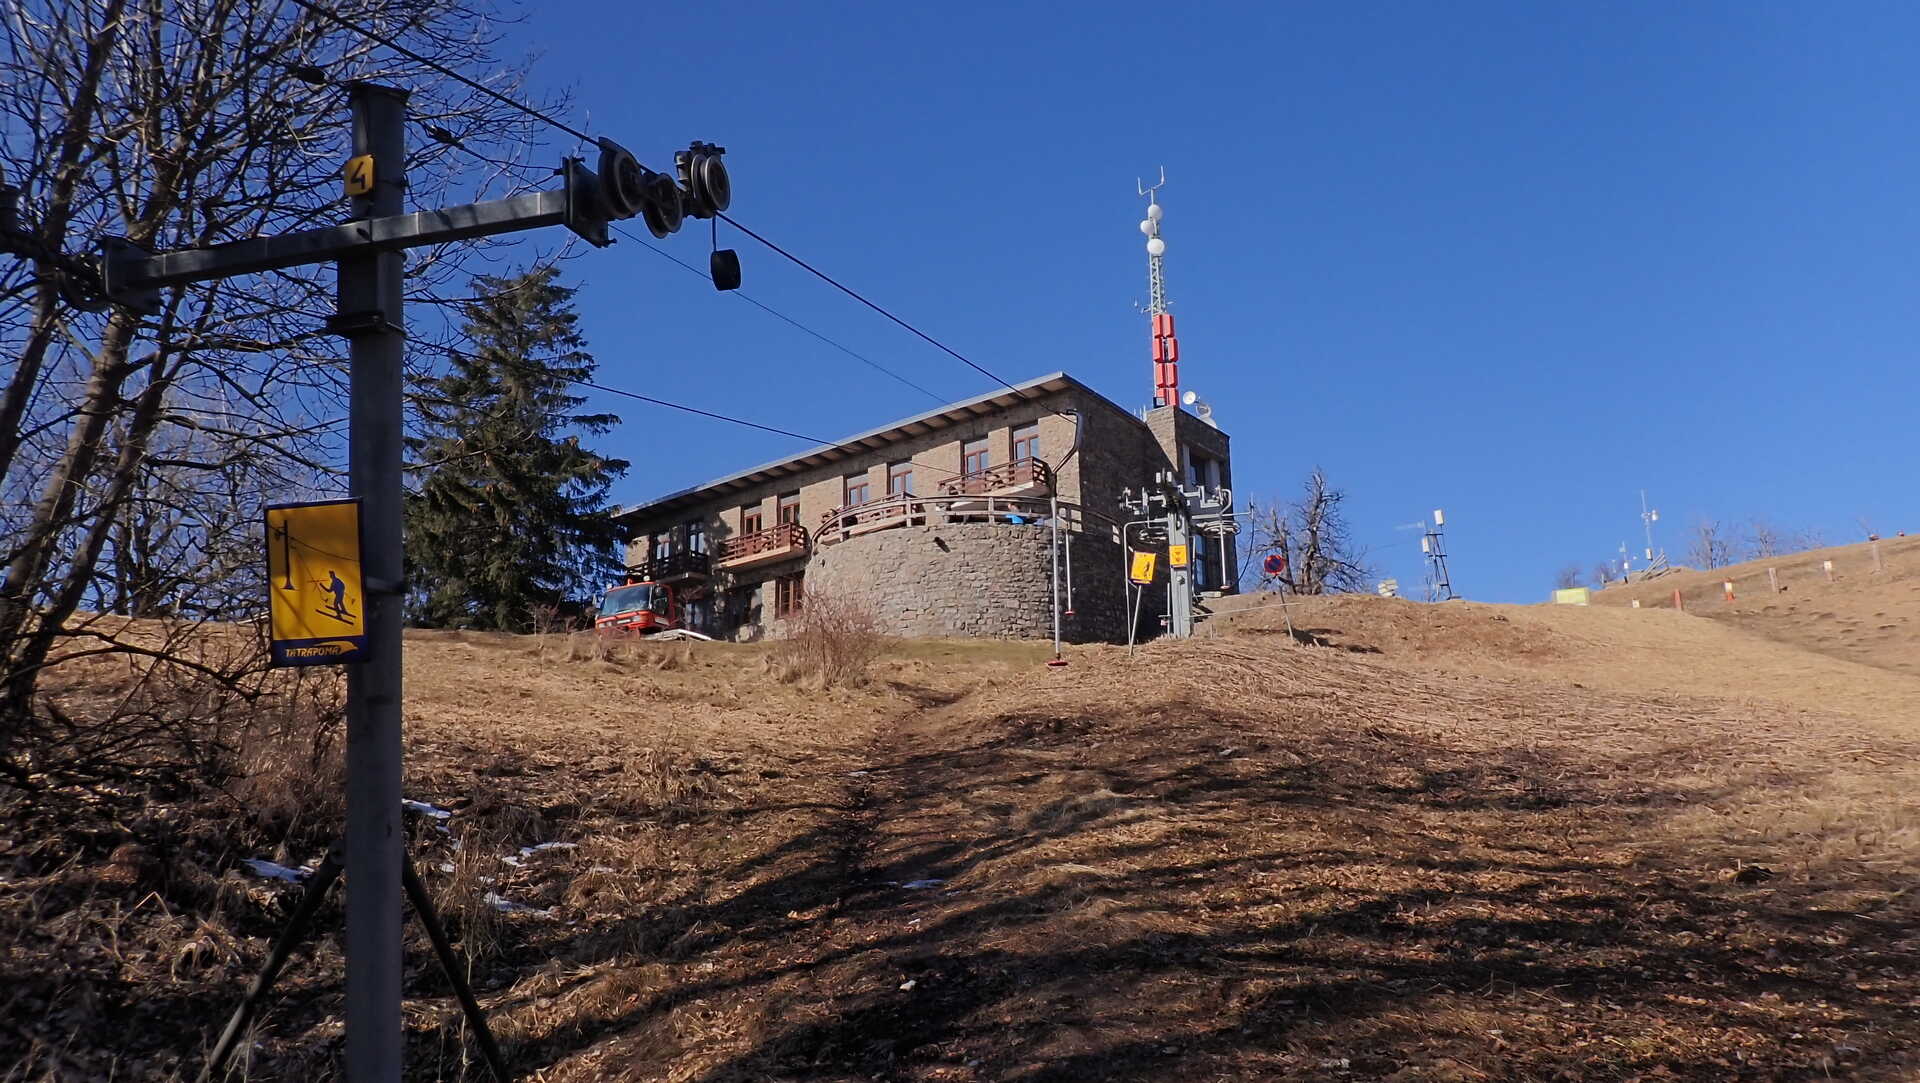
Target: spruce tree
[[510, 511]]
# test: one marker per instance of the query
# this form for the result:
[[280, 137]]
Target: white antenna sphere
[[1189, 398], [1154, 212], [1156, 247], [1147, 228]]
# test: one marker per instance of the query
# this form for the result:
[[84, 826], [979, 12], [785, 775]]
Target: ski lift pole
[[1053, 521]]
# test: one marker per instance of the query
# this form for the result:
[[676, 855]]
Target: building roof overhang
[[944, 417]]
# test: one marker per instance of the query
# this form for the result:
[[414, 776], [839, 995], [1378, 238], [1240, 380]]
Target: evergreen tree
[[510, 512]]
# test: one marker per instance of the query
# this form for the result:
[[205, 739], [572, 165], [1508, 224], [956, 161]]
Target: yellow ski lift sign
[[1142, 570], [1176, 556], [315, 599]]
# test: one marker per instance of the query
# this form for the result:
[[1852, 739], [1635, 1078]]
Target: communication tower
[[1166, 347]]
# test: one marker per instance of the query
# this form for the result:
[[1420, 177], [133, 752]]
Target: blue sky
[[1518, 261]]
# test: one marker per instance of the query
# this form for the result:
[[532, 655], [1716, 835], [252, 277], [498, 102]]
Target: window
[[750, 520], [660, 545], [856, 489], [696, 534], [743, 605], [787, 593], [699, 614], [900, 479], [974, 456], [1201, 469], [1026, 442], [789, 508], [1203, 569]]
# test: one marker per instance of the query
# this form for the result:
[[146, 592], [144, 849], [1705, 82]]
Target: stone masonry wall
[[971, 579]]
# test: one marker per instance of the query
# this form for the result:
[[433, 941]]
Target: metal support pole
[[1179, 580], [1054, 519], [443, 949], [370, 317], [323, 878]]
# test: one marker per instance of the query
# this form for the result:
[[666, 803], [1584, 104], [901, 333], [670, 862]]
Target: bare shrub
[[155, 700], [832, 642], [289, 764]]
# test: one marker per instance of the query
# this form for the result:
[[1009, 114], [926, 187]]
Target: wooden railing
[[779, 538], [672, 566], [905, 509], [1018, 473]]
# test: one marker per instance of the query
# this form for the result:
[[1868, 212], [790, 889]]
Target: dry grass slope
[[1448, 843], [1861, 615]]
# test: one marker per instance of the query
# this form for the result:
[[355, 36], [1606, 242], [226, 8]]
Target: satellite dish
[[1156, 247], [1189, 398]]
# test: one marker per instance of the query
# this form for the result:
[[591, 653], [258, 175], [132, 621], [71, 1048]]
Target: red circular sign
[[1275, 564]]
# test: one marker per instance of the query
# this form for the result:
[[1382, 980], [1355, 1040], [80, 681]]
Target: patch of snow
[[508, 906], [541, 848], [274, 871], [921, 885], [425, 809]]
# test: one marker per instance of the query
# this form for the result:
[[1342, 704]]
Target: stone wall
[[973, 579]]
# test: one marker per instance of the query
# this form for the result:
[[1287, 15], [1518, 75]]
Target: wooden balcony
[[905, 509], [1021, 477], [778, 542], [672, 568]]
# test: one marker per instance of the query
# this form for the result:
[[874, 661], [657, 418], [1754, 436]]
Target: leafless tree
[[1764, 539], [1709, 545], [1567, 577], [1602, 574], [1811, 537], [1312, 534], [135, 451]]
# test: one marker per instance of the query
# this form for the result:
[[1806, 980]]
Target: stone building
[[943, 522]]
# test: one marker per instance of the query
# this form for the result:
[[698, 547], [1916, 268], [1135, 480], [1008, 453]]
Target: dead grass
[[1553, 848], [1861, 614]]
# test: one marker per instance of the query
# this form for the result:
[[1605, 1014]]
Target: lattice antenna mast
[[1434, 544], [1166, 347]]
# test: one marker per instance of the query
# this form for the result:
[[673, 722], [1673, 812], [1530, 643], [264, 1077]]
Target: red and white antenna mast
[[1166, 347]]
